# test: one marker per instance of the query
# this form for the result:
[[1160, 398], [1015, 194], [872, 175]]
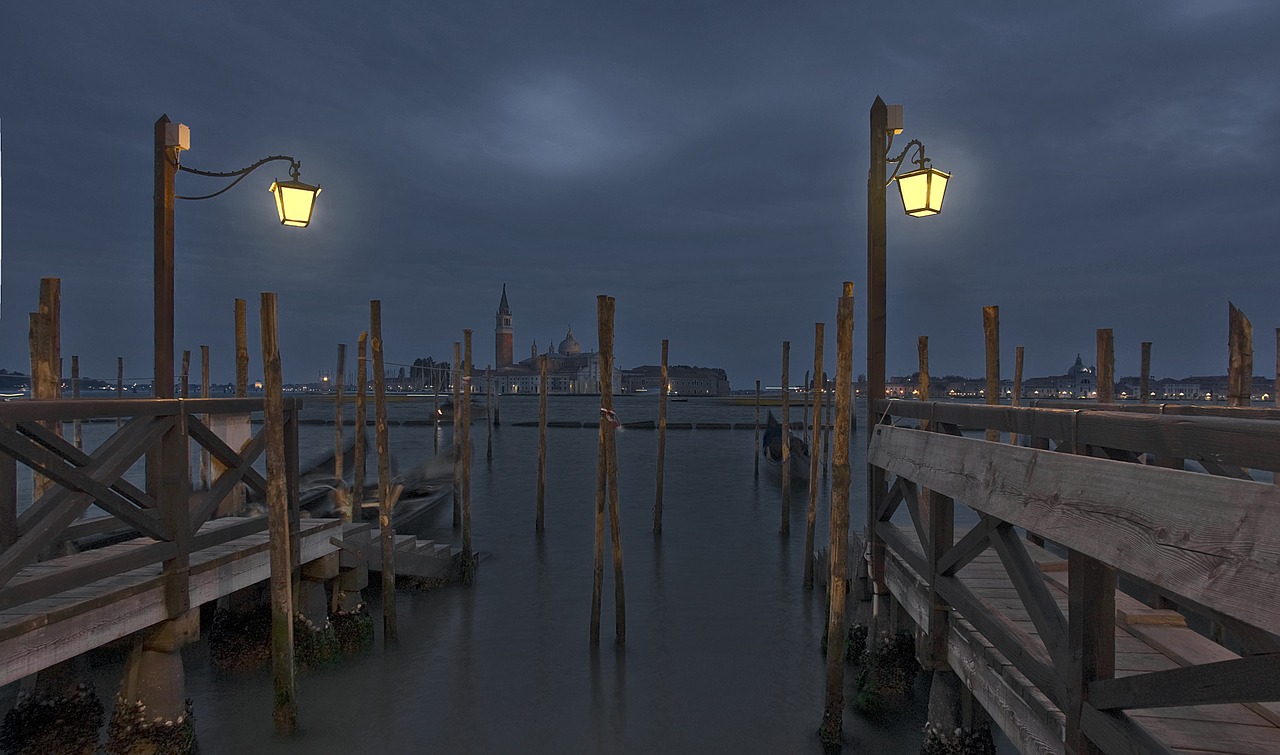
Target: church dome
[[570, 346]]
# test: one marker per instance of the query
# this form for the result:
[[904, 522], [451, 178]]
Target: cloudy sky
[[704, 163]]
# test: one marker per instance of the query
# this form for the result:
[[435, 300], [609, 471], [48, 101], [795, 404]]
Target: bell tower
[[503, 334]]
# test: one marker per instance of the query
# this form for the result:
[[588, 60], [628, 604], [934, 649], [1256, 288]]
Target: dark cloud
[[703, 163]]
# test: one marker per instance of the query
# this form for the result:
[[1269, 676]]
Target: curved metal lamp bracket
[[898, 161], [239, 175]]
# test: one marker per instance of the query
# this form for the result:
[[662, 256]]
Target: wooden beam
[[1014, 643], [1253, 679], [79, 458], [1148, 521], [1117, 733], [1029, 582]]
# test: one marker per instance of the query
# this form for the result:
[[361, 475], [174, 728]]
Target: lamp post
[[922, 191], [168, 476], [294, 203]]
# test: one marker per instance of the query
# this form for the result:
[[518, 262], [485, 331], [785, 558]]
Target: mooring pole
[[757, 445], [816, 436], [662, 442], [785, 527], [542, 442], [991, 337], [285, 712], [387, 535], [339, 473], [832, 727], [358, 458]]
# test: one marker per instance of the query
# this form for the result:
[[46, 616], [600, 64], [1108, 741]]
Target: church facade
[[569, 370]]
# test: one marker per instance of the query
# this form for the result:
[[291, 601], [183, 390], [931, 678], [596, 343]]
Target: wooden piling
[[387, 535], [1240, 357], [1276, 391], [488, 412], [45, 345], [435, 409], [662, 442], [605, 307], [922, 378], [785, 527], [597, 576], [804, 407], [467, 558], [542, 442], [829, 399], [76, 434], [185, 375], [457, 452], [339, 473], [1145, 381], [991, 335], [757, 447], [205, 462], [1016, 400], [119, 386], [497, 409], [814, 445], [242, 350], [356, 495], [285, 711], [833, 709], [1106, 367]]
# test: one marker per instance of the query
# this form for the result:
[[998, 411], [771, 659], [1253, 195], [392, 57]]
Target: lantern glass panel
[[294, 202], [922, 191]]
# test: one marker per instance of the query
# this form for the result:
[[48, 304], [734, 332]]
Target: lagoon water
[[721, 654]]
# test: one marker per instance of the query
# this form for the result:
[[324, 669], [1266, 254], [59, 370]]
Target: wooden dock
[[1058, 656], [178, 554]]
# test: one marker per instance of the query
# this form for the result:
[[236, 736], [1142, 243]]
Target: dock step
[[414, 557]]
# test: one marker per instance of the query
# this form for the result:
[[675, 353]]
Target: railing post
[[1091, 633], [175, 506]]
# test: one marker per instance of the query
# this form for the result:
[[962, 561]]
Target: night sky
[[704, 163]]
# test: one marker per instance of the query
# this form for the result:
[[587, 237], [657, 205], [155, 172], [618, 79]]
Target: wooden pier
[[162, 549], [1037, 609]]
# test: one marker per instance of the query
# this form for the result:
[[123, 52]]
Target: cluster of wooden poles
[[1239, 364]]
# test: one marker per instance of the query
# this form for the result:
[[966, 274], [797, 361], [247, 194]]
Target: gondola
[[771, 452]]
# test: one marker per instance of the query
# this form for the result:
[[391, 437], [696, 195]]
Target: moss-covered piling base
[[313, 646], [240, 640], [42, 724], [133, 732], [353, 629], [959, 741], [888, 674]]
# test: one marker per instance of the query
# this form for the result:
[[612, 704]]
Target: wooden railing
[[167, 512], [1208, 541]]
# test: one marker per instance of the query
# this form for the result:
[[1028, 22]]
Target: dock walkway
[[1060, 657]]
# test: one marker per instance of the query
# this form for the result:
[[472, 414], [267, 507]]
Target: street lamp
[[922, 191], [294, 203]]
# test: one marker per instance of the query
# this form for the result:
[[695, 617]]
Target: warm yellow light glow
[[294, 202], [922, 191]]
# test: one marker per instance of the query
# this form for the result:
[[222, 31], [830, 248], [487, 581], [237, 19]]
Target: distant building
[[1078, 382], [503, 334], [683, 380]]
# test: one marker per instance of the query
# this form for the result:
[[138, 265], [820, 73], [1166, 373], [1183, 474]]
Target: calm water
[[722, 642]]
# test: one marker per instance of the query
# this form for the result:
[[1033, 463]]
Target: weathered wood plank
[[1244, 680], [1153, 523], [1117, 733]]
